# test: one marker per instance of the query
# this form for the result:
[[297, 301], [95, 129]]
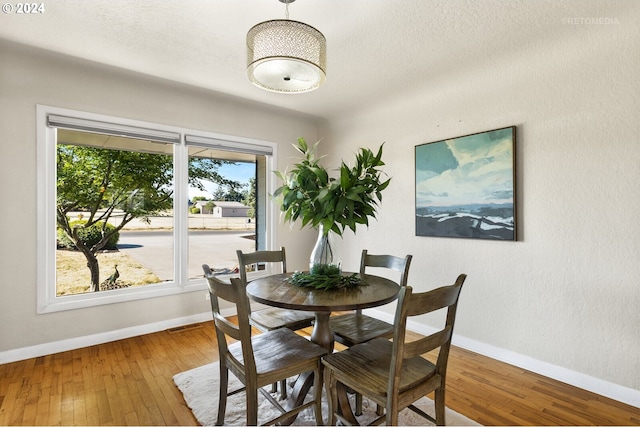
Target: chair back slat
[[436, 299], [246, 259], [427, 344], [391, 262], [226, 327], [221, 289]]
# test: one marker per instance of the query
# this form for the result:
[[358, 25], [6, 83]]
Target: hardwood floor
[[129, 382]]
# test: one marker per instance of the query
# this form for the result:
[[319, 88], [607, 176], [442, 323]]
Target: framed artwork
[[465, 186]]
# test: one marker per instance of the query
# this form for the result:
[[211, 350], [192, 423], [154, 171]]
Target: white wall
[[29, 77], [567, 292]]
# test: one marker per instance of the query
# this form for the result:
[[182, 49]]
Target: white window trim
[[47, 301]]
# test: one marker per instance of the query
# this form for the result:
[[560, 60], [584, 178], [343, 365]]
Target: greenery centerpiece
[[330, 205]]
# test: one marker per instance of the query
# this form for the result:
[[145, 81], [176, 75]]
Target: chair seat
[[269, 319], [368, 365], [354, 328], [278, 352]]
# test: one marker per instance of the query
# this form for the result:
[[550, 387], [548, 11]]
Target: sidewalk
[[196, 221]]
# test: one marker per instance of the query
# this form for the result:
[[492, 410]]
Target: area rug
[[199, 387]]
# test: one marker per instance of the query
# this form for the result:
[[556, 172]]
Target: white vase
[[324, 256]]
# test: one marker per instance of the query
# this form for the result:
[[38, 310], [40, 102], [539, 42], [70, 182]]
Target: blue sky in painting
[[475, 169]]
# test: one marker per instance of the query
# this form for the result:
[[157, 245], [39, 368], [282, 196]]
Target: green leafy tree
[[209, 207], [250, 198], [119, 186], [229, 192]]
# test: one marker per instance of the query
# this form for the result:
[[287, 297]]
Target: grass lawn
[[73, 276]]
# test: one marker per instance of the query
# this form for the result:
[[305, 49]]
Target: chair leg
[[379, 410], [391, 410], [317, 389], [222, 395], [392, 416], [283, 389], [439, 404], [358, 411], [332, 396], [252, 405]]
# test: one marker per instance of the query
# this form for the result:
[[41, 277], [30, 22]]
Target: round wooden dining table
[[277, 291]]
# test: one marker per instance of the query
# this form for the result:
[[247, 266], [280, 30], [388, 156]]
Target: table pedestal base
[[300, 389], [323, 336]]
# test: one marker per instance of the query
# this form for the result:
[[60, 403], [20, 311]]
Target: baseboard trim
[[613, 391], [101, 338], [586, 382]]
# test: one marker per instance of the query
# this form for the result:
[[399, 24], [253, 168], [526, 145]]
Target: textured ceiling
[[377, 49]]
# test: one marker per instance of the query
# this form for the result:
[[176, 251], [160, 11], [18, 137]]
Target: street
[[154, 249]]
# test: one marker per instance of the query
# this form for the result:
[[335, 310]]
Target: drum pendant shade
[[286, 56]]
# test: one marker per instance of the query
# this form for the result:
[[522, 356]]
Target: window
[[217, 219], [114, 207], [130, 210]]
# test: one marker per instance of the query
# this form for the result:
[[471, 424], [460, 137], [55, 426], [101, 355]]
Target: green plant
[[331, 278], [308, 192], [90, 236]]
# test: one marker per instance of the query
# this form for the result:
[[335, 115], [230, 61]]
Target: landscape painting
[[465, 186]]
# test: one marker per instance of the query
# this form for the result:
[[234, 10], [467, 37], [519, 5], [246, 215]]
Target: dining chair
[[268, 319], [394, 374], [260, 360], [272, 318], [355, 328], [274, 388]]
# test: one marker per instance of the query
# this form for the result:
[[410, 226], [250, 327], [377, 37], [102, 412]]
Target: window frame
[[47, 301]]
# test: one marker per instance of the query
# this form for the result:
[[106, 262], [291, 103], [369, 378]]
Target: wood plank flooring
[[129, 382]]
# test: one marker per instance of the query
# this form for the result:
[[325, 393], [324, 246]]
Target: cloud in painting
[[476, 169]]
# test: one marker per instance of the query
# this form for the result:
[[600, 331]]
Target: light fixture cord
[[286, 11]]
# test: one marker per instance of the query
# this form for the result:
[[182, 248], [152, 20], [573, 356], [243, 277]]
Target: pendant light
[[286, 56]]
